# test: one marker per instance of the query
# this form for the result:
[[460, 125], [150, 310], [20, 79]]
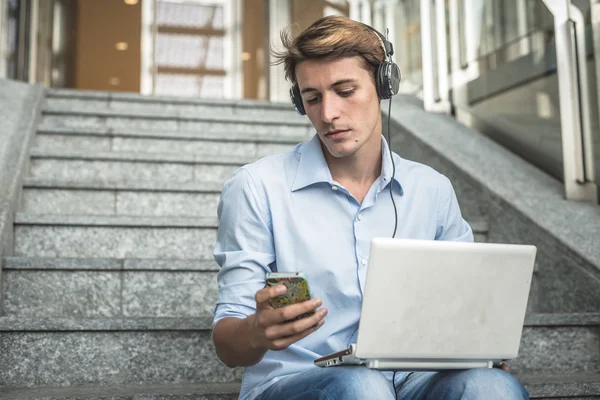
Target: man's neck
[[358, 171]]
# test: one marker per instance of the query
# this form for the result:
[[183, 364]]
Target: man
[[315, 209]]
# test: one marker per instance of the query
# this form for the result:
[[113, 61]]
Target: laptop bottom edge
[[437, 365]]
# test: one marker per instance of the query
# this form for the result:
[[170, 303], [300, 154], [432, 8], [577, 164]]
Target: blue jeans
[[360, 383]]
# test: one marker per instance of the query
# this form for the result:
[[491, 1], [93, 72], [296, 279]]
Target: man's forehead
[[326, 73]]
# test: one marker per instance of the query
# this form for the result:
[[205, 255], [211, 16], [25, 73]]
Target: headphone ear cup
[[297, 99], [395, 78], [380, 82], [387, 78]]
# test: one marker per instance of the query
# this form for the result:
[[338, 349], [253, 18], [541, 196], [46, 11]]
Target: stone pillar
[[3, 34], [280, 18], [365, 12], [354, 9], [389, 19]]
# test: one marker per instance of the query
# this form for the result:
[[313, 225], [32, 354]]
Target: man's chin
[[341, 152]]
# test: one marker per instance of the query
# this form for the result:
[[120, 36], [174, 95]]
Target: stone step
[[150, 198], [65, 100], [161, 121], [575, 386], [92, 288], [123, 351], [124, 140], [110, 166], [480, 230], [113, 287], [72, 236], [145, 198], [558, 344], [544, 387], [109, 351], [215, 391], [43, 196], [82, 236], [134, 186]]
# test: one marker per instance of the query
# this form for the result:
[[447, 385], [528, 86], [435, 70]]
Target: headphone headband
[[388, 48]]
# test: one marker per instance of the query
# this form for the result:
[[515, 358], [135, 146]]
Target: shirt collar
[[312, 167]]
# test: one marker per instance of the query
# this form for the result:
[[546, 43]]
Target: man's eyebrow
[[336, 83]]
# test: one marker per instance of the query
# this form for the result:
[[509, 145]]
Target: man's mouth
[[336, 133]]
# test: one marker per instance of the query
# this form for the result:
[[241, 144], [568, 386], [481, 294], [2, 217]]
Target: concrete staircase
[[109, 289]]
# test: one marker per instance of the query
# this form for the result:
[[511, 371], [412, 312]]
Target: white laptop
[[435, 305]]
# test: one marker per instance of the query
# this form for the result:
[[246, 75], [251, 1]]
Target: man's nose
[[329, 109]]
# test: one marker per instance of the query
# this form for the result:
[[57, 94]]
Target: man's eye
[[312, 100], [346, 93]]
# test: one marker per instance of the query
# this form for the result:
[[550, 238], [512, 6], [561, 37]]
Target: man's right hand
[[270, 329]]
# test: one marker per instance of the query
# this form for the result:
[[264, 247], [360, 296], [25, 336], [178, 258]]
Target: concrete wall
[[18, 117]]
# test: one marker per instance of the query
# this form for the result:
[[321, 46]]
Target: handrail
[[509, 43], [3, 35], [595, 21], [578, 183], [586, 115], [462, 51]]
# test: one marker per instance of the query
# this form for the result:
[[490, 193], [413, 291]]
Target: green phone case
[[298, 289]]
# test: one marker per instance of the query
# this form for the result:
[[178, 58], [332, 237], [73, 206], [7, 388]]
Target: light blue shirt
[[286, 213]]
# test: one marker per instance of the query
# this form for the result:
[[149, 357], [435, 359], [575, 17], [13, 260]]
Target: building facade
[[522, 72]]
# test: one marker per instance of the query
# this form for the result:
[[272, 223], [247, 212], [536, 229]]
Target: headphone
[[387, 76]]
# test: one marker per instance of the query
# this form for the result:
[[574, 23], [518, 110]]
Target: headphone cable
[[397, 389], [393, 166], [389, 132]]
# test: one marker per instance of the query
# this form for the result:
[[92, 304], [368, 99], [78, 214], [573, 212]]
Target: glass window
[[190, 49]]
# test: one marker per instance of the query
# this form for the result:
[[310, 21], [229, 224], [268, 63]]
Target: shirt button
[[334, 187], [359, 216], [364, 262]]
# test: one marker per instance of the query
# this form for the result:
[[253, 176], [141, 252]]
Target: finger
[[287, 313], [264, 295], [285, 342], [294, 328], [503, 366]]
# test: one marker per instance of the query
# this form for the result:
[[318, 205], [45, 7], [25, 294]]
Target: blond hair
[[330, 38]]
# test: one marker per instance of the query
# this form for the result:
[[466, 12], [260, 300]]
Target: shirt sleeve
[[451, 225], [244, 249]]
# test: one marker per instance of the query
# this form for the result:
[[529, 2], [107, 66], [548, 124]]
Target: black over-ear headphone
[[387, 76]]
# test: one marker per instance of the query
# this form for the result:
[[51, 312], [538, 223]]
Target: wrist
[[250, 333]]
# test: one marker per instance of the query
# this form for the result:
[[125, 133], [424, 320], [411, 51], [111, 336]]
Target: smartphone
[[297, 289]]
